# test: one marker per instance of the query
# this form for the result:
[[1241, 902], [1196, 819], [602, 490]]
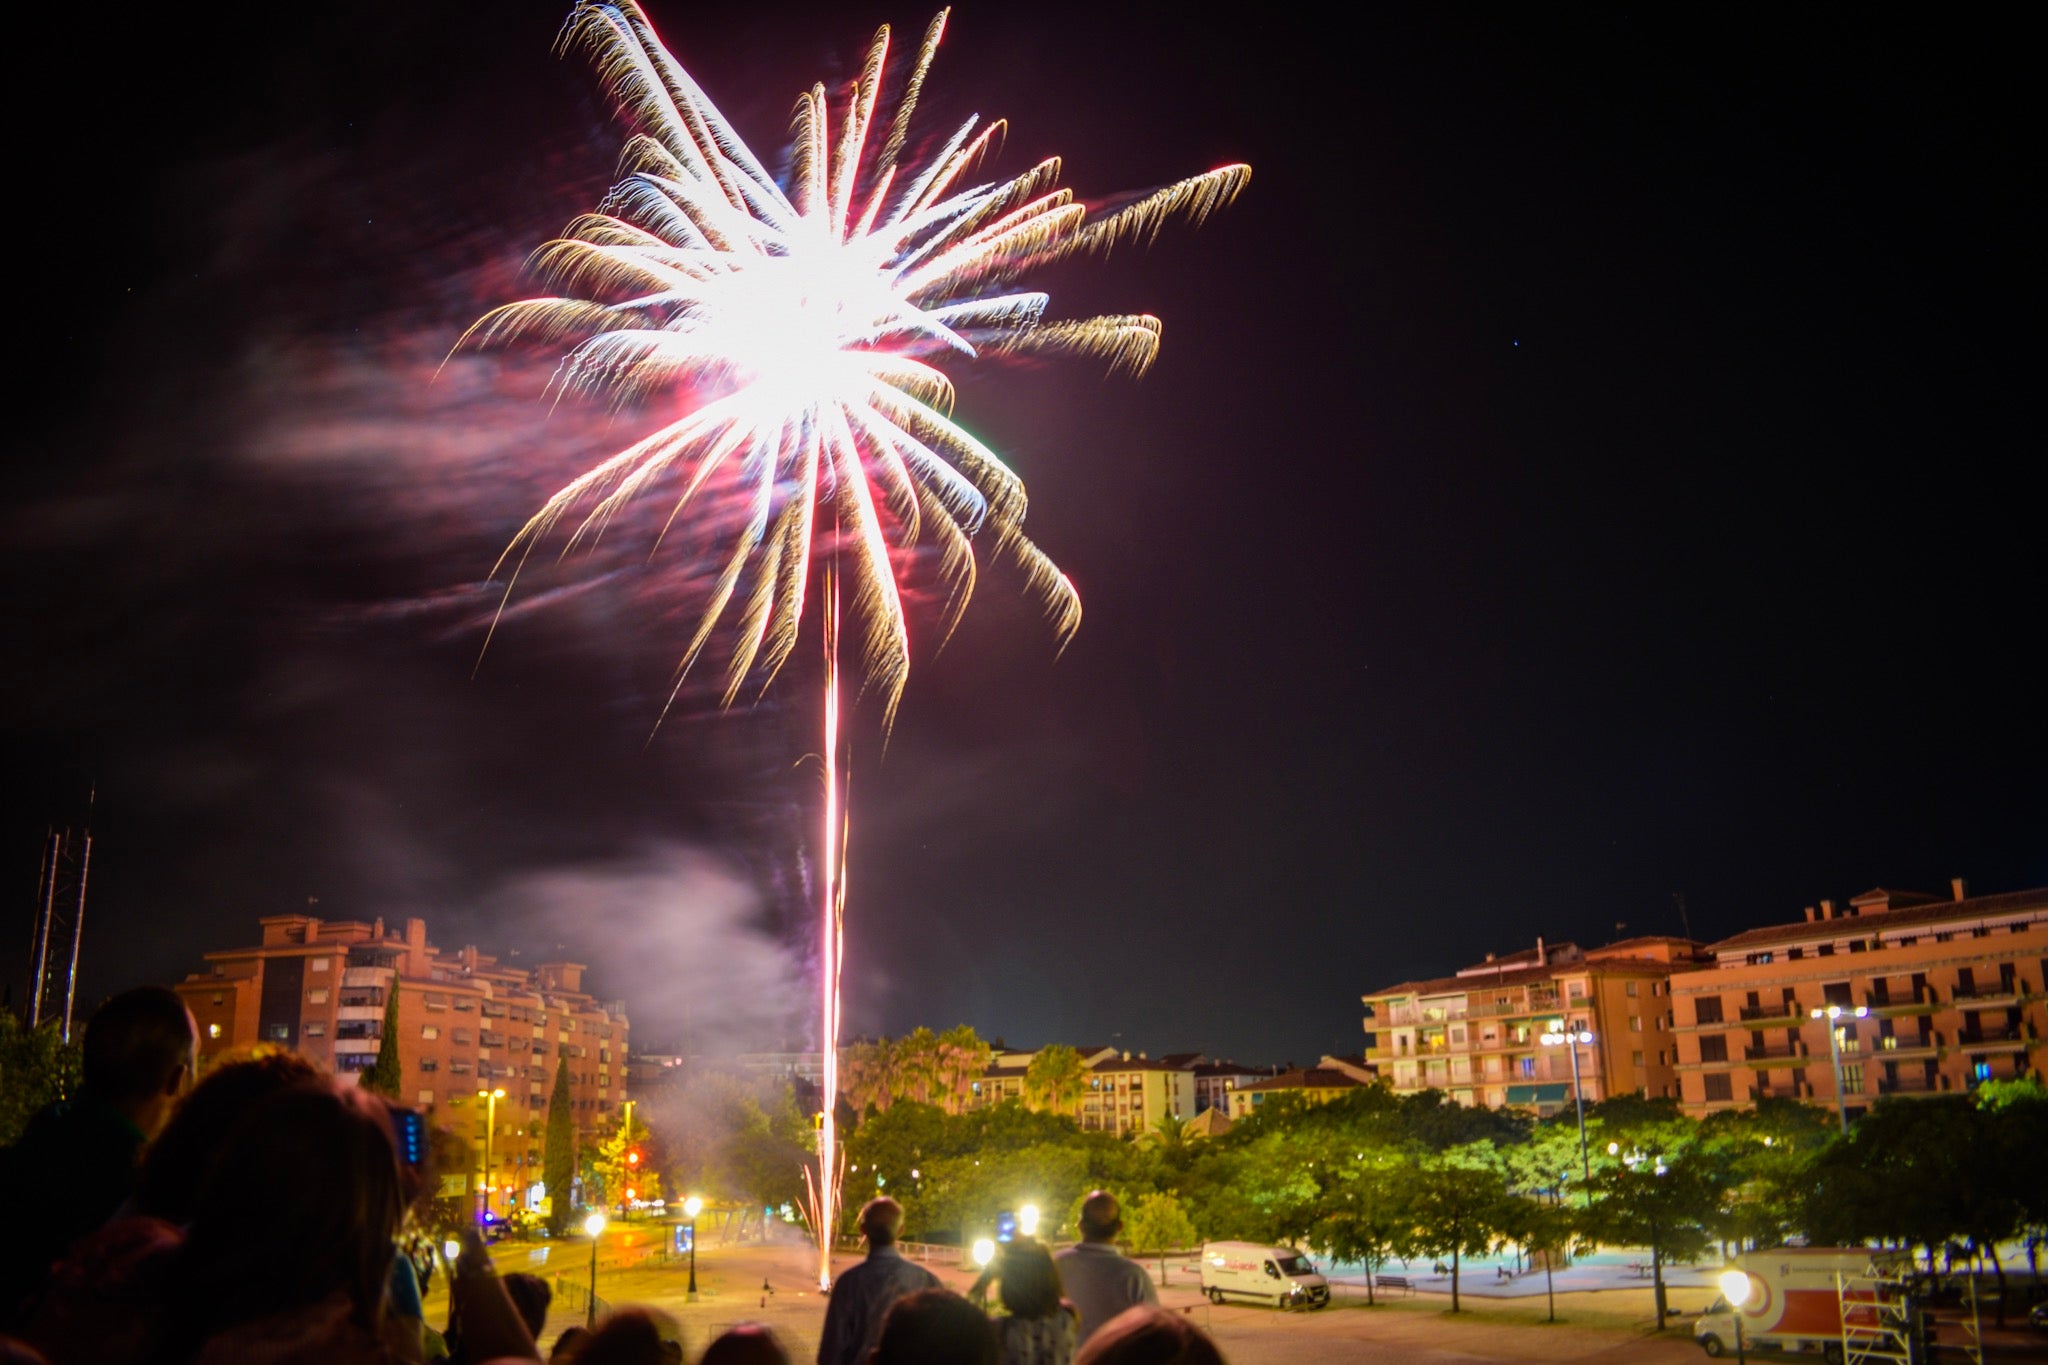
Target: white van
[[1248, 1270]]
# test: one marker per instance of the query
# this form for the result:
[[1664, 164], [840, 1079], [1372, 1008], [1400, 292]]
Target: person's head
[[178, 1161], [880, 1220], [633, 1336], [531, 1296], [1149, 1335], [1101, 1218], [1029, 1283], [138, 1053], [569, 1345], [303, 1200], [935, 1327], [749, 1343]]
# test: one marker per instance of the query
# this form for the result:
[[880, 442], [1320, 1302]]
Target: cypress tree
[[386, 1076], [558, 1159]]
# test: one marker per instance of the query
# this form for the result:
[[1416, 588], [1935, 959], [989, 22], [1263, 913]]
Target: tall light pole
[[490, 1099], [594, 1225], [1560, 1036], [691, 1208], [1834, 1014]]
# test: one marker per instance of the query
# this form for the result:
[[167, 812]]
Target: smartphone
[[1006, 1226], [409, 1127]]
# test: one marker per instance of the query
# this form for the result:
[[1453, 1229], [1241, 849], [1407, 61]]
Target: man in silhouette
[[863, 1295], [1097, 1277]]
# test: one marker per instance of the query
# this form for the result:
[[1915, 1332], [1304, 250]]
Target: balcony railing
[[1781, 1010], [1775, 1052], [1912, 1085]]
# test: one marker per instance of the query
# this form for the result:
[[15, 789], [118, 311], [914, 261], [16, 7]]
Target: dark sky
[[1588, 465]]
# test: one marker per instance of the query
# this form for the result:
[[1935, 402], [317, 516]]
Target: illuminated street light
[[594, 1225], [1735, 1289], [490, 1099], [691, 1208], [1570, 1039], [1835, 1014], [1027, 1220], [984, 1251]]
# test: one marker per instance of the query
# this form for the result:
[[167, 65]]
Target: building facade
[[466, 1024], [1478, 1035], [1954, 992], [1316, 1084]]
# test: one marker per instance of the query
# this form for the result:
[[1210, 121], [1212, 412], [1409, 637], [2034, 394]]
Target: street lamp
[[691, 1208], [1027, 1220], [1735, 1289], [490, 1099], [984, 1252], [594, 1225], [1570, 1040], [1834, 1014]]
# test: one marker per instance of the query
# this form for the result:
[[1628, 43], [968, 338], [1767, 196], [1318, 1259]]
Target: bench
[[1400, 1282]]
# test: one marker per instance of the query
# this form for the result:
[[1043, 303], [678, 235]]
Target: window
[[1719, 1087], [1707, 1010], [463, 1002], [426, 1099], [220, 997], [316, 1029], [1629, 989], [1980, 1071], [1528, 1067], [461, 1035], [1826, 950], [1575, 990], [1635, 1023], [1852, 1078], [429, 1064], [319, 964], [436, 1000], [1714, 1048], [430, 1031], [1636, 1058]]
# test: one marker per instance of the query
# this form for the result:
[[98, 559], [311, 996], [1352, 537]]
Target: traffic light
[[632, 1156]]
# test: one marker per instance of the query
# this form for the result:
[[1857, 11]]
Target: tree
[[1658, 1201], [558, 1158], [386, 1076], [964, 1058], [37, 1068], [1364, 1212], [1159, 1224], [1055, 1078], [1459, 1204], [622, 1165]]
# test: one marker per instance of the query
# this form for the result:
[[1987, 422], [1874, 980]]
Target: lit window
[[319, 964], [316, 997], [213, 1030], [429, 1031]]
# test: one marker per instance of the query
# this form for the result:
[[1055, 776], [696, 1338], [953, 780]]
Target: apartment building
[[466, 1023], [1952, 990], [1478, 1035], [1127, 1095]]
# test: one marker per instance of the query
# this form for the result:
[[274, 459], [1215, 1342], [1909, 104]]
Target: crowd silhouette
[[272, 1215]]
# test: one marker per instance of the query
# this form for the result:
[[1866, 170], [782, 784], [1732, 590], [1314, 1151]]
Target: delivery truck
[[1801, 1298], [1249, 1270]]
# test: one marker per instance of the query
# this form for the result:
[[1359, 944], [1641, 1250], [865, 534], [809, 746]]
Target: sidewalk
[[1482, 1279]]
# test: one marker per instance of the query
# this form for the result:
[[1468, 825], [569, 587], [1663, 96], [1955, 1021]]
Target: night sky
[[1588, 466]]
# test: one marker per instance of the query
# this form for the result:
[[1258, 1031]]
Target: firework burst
[[806, 324]]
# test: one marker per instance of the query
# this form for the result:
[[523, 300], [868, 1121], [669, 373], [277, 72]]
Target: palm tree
[[1055, 1078], [966, 1057]]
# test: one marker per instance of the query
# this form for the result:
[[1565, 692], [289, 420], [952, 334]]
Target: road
[[775, 1285]]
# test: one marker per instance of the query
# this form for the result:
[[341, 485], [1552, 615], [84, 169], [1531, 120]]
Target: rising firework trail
[[801, 324]]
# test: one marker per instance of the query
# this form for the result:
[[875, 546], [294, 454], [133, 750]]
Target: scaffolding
[[1880, 1318]]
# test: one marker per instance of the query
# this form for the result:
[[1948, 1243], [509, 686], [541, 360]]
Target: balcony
[[1912, 1085], [2013, 1037], [1785, 1009], [360, 997], [1921, 1002], [1790, 1090], [1775, 1052], [1988, 996], [1887, 1049]]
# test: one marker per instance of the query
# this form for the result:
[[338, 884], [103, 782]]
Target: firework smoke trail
[[801, 325]]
